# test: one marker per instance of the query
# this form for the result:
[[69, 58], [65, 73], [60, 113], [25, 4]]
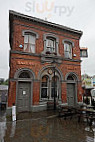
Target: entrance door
[[71, 94], [23, 96]]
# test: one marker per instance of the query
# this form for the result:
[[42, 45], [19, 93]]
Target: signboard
[[13, 113], [83, 52], [87, 83], [94, 81]]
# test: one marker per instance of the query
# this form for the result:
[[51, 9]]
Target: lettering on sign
[[25, 63], [71, 68]]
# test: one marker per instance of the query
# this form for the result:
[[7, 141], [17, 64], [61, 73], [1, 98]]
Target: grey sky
[[77, 14]]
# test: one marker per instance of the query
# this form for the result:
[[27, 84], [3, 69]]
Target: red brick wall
[[64, 92], [19, 39], [36, 92], [12, 93]]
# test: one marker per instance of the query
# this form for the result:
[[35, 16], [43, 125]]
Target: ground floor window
[[44, 87], [49, 87]]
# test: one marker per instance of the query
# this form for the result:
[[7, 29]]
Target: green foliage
[[4, 82]]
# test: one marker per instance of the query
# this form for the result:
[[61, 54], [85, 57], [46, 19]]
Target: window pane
[[24, 75], [32, 48], [26, 47], [29, 43], [44, 81], [70, 55], [66, 54], [26, 39], [44, 93], [52, 49], [68, 50], [44, 84], [31, 39], [49, 43], [65, 47], [70, 78], [53, 92]]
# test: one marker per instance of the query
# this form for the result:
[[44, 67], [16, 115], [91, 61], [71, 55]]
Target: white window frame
[[56, 43], [51, 45], [28, 43], [49, 88], [69, 51]]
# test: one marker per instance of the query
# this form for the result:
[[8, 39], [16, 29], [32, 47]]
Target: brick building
[[39, 48]]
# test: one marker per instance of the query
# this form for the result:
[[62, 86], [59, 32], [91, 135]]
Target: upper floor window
[[68, 48], [29, 43], [50, 44], [30, 40]]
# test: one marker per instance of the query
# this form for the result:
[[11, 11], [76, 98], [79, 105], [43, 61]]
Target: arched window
[[24, 75], [44, 87]]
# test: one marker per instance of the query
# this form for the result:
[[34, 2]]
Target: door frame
[[31, 92], [75, 96]]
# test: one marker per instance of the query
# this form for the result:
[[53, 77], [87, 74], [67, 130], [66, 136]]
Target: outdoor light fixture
[[20, 46]]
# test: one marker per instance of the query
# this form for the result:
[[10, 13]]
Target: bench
[[66, 111], [89, 116]]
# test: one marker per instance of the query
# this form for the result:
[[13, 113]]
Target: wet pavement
[[44, 127]]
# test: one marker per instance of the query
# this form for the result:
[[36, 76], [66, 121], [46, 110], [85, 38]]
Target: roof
[[3, 87], [34, 19]]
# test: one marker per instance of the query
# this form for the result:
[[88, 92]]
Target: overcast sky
[[77, 14]]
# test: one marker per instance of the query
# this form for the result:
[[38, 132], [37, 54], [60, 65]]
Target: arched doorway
[[71, 89], [24, 90]]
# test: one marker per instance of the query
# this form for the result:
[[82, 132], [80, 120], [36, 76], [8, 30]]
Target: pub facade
[[44, 59]]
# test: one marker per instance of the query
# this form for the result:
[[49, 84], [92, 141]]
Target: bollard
[[13, 112]]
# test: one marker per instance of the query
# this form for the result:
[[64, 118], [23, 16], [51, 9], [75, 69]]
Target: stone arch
[[21, 70], [67, 40], [50, 35], [30, 31], [42, 72]]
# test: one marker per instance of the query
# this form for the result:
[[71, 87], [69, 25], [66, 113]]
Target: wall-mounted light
[[20, 46], [74, 55]]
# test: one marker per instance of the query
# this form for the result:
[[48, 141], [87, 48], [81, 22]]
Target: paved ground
[[44, 127]]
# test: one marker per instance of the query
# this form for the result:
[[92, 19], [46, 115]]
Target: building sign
[[29, 63], [94, 81], [83, 52], [87, 83]]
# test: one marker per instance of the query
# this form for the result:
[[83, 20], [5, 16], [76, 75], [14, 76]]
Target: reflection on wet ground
[[45, 129]]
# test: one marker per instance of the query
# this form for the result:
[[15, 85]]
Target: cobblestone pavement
[[44, 128]]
